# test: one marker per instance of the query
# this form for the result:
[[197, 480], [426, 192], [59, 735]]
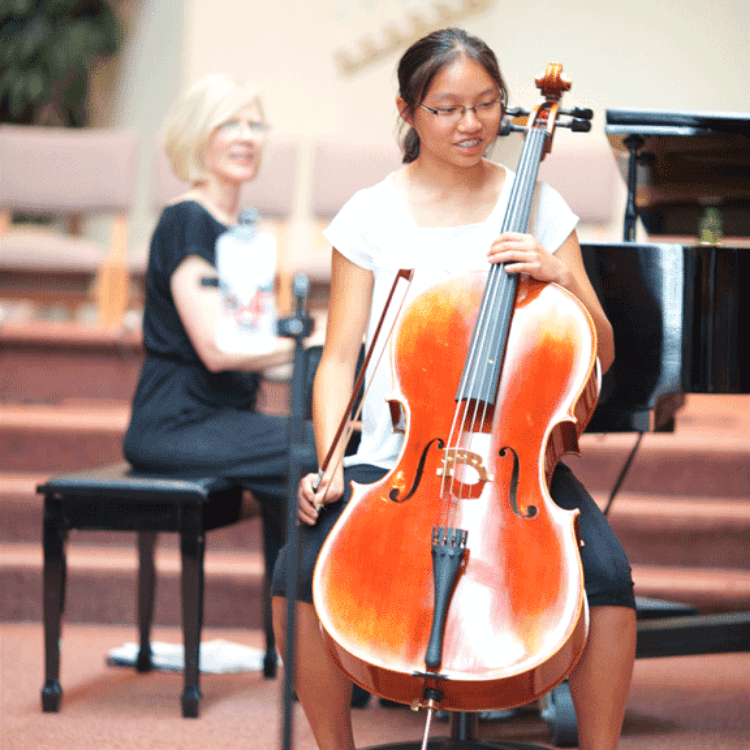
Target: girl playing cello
[[443, 210]]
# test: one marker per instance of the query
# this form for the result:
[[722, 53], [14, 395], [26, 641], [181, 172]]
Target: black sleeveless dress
[[185, 417]]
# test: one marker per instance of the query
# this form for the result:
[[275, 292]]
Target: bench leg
[[53, 600], [146, 593], [272, 543], [192, 541]]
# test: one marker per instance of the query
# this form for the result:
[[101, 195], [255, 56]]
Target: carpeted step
[[707, 589], [664, 465], [80, 434], [49, 361], [102, 585], [708, 454], [684, 531], [74, 434], [655, 530]]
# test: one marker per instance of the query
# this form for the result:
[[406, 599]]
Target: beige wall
[[149, 77], [670, 54]]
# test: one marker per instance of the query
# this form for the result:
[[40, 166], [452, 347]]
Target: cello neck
[[516, 217], [481, 373]]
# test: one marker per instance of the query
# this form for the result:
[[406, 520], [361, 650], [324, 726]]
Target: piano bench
[[119, 498]]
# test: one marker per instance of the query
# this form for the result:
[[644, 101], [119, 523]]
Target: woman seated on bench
[[194, 407]]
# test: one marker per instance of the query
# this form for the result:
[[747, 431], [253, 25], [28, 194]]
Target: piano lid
[[686, 162]]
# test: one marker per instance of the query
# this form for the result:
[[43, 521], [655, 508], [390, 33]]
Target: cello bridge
[[460, 457]]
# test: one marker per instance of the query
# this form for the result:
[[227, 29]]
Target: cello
[[455, 581]]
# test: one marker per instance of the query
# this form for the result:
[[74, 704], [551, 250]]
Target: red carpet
[[687, 703]]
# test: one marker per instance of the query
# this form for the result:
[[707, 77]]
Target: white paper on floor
[[216, 657]]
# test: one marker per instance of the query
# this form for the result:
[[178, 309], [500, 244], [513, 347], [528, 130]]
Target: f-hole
[[532, 509], [393, 494]]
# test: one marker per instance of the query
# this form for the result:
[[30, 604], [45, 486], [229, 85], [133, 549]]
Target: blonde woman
[[194, 407]]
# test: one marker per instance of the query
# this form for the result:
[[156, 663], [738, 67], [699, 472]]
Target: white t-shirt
[[375, 231]]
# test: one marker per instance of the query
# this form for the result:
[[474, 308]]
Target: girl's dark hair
[[424, 60]]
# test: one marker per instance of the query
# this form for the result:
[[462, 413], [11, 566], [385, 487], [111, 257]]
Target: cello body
[[517, 618]]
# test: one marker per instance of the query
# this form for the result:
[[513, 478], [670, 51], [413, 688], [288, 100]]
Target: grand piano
[[680, 320], [676, 307]]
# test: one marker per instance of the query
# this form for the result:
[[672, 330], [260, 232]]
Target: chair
[[120, 498], [69, 173], [339, 171]]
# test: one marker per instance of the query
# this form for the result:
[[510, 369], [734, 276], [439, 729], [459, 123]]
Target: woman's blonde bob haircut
[[187, 130]]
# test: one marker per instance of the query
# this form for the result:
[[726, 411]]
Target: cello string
[[495, 300], [501, 287], [467, 412], [499, 295]]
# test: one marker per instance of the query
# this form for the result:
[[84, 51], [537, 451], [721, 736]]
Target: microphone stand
[[298, 326]]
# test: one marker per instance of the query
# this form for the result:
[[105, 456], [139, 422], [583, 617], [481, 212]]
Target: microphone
[[300, 324], [301, 286]]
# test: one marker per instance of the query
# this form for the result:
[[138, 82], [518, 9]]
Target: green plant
[[47, 49]]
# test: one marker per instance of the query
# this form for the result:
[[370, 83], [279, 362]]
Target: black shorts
[[606, 571]]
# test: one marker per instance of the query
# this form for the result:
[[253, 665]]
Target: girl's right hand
[[310, 501]]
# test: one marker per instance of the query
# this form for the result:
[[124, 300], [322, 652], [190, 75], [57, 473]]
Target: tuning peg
[[578, 112], [517, 112], [577, 125], [508, 127]]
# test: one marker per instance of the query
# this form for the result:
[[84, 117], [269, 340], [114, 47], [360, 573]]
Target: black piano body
[[681, 322], [681, 326]]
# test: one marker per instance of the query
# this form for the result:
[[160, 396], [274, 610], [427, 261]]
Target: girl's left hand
[[523, 254]]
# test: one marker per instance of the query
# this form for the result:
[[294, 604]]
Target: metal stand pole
[[301, 454], [633, 142]]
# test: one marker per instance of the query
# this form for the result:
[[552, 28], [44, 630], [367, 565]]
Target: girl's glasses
[[483, 111]]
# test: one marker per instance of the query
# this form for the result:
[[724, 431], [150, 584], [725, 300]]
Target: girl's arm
[[524, 254], [348, 316], [198, 307]]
